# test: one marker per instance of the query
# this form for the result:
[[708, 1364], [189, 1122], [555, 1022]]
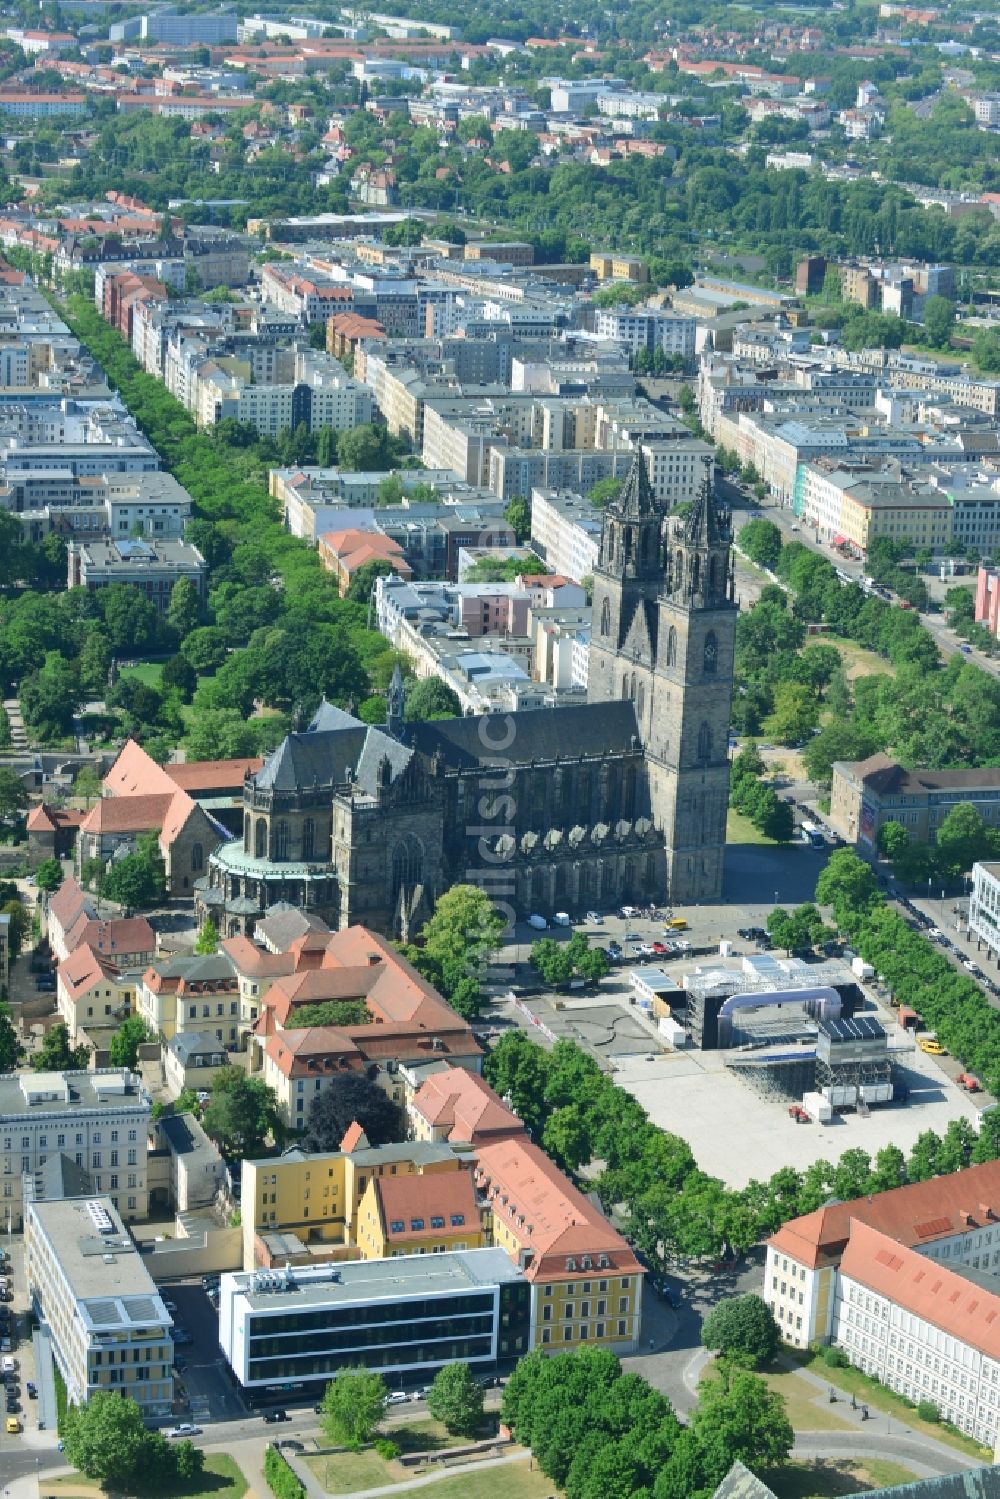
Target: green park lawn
[[740, 829], [222, 1479], [347, 1472], [876, 1396], [828, 1480], [511, 1481], [858, 662], [147, 672]]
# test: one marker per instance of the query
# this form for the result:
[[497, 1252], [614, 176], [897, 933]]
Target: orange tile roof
[[135, 773], [46, 819], [353, 1139], [128, 814], [129, 934], [911, 1215], [82, 970], [544, 1212], [464, 1102], [212, 775], [67, 903], [416, 1198], [924, 1288]]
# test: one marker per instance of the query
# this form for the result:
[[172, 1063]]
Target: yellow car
[[932, 1047], [678, 924], [13, 1426]]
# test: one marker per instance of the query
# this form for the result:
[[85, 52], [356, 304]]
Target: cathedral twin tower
[[664, 627]]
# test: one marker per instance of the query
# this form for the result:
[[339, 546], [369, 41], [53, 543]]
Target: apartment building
[[586, 1283], [405, 1317], [91, 1292], [647, 328], [566, 531], [98, 1119], [948, 1220], [984, 908], [458, 1107], [930, 1335], [31, 106], [151, 566], [191, 992], [866, 794], [402, 1215], [310, 1203]]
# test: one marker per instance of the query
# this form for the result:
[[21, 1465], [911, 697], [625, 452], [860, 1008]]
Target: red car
[[660, 948]]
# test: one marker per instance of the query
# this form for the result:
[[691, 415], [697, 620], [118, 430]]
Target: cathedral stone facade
[[621, 798]]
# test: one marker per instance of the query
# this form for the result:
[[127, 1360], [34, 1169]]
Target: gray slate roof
[[541, 734]]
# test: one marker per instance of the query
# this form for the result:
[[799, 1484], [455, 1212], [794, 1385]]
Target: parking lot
[[211, 1394]]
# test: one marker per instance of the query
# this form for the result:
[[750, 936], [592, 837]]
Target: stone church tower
[[664, 637]]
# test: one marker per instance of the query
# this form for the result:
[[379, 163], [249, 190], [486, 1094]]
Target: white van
[[539, 923], [561, 918]]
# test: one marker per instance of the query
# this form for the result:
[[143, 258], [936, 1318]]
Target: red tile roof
[[117, 938], [924, 1288], [466, 1105], [544, 1212], [67, 903], [354, 1139], [46, 819], [82, 970], [417, 1198], [212, 775], [911, 1215], [128, 814]]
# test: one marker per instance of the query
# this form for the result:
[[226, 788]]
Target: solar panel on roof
[[105, 1311]]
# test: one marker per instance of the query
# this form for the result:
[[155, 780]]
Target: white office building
[[92, 1293]]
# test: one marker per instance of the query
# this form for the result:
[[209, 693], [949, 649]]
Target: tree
[[138, 881], [552, 960], [761, 541], [365, 449], [56, 1054], [242, 1113], [518, 515], [963, 840], [11, 1050], [362, 585], [939, 320], [124, 1048], [13, 795], [892, 839], [456, 1400], [353, 1406], [847, 884], [352, 1097], [431, 698], [774, 817], [459, 941], [604, 491], [795, 713], [49, 876], [801, 928], [106, 1439], [740, 1419], [742, 1328], [184, 608], [18, 926], [208, 938]]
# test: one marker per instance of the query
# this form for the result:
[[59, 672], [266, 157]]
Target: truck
[[969, 1083], [811, 834]]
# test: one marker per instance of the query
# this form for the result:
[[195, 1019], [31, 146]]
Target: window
[[605, 618], [711, 652], [458, 1221], [281, 840], [197, 857], [416, 1224], [704, 742], [672, 647], [436, 1222]]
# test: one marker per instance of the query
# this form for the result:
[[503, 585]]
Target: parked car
[[594, 918], [8, 1365], [931, 1045], [185, 1429], [397, 1397], [32, 1390], [272, 1417], [13, 1426]]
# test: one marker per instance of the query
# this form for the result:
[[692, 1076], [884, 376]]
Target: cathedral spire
[[636, 500], [707, 524]]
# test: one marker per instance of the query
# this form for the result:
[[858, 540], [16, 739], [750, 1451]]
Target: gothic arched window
[[197, 857], [696, 573], [640, 700], [308, 837], [672, 647], [407, 864], [704, 742], [605, 618], [711, 654], [281, 840], [247, 832], [260, 839], [711, 576], [624, 686]]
